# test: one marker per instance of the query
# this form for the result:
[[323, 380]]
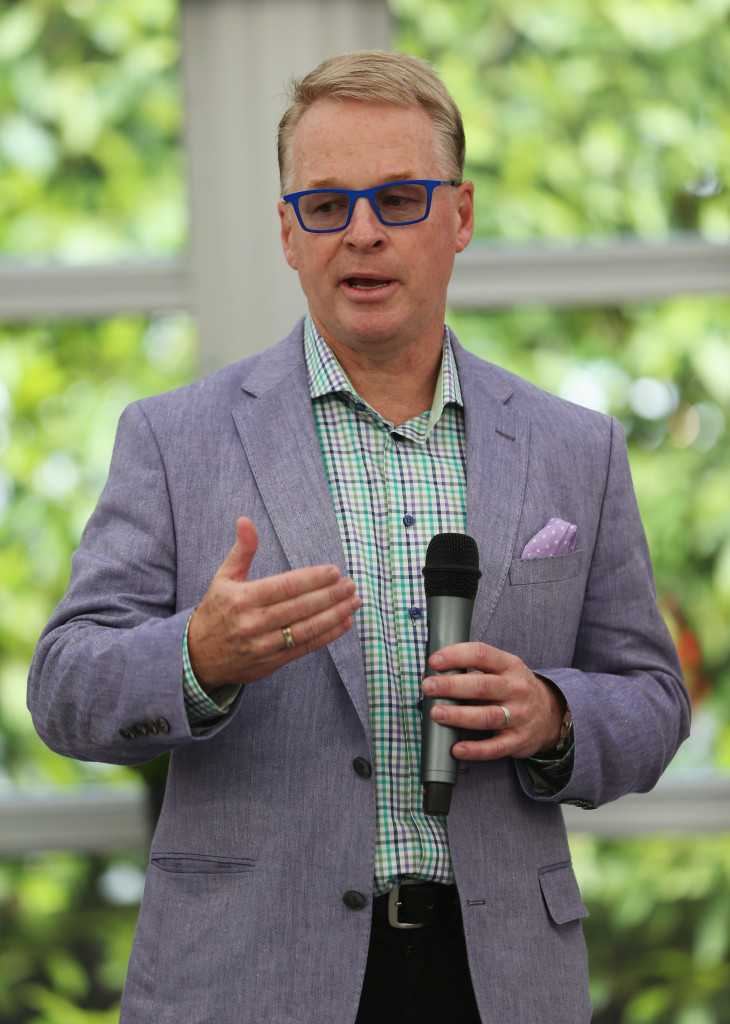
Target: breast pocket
[[526, 571]]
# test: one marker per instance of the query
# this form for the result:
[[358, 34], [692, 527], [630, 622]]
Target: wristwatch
[[566, 734]]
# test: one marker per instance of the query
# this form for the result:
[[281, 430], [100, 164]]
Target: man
[[289, 694]]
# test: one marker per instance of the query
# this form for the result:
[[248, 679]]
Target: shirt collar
[[326, 376]]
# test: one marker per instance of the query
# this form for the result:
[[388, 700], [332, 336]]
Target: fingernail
[[437, 659], [428, 686], [439, 713]]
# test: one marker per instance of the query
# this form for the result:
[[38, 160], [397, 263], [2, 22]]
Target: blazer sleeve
[[625, 689], [105, 683]]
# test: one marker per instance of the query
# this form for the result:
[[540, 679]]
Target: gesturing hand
[[236, 634], [499, 680]]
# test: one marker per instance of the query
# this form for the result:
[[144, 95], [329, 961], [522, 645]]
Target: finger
[[483, 717], [238, 560], [318, 630], [310, 604], [267, 634], [483, 750], [470, 655], [466, 686], [271, 591]]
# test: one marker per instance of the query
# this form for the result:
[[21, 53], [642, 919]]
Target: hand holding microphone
[[478, 687]]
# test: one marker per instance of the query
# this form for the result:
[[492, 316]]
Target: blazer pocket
[[561, 893], [201, 864], [524, 571]]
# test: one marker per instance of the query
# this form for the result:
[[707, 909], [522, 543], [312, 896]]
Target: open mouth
[[367, 284]]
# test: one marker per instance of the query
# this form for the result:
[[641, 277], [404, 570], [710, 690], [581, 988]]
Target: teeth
[[367, 285]]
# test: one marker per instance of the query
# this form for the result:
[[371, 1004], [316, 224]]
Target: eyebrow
[[333, 184]]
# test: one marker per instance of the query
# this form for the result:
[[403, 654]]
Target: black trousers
[[418, 976]]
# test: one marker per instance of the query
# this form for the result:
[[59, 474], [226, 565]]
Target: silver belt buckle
[[394, 903]]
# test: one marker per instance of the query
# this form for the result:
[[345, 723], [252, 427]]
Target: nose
[[365, 231]]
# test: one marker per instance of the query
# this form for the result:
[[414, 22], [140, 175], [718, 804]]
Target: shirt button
[[408, 520], [354, 900], [360, 406], [415, 613], [362, 767]]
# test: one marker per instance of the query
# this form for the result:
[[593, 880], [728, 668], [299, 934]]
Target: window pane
[[62, 389], [586, 119], [90, 155]]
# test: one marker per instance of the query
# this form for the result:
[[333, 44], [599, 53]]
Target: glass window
[[586, 120], [90, 117], [63, 387]]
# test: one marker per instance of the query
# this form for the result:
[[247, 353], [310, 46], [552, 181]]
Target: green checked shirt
[[392, 490]]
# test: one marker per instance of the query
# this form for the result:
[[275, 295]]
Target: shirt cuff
[[550, 775], [201, 707]]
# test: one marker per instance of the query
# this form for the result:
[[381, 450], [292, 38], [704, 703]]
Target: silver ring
[[507, 715], [288, 638]]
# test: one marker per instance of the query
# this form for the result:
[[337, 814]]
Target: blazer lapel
[[277, 429], [497, 444]]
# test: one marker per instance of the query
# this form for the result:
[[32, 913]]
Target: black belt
[[415, 904]]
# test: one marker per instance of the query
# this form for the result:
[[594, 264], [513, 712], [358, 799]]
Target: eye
[[402, 202], [323, 204], [331, 205]]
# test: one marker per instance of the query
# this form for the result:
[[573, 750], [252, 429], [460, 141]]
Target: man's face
[[372, 288]]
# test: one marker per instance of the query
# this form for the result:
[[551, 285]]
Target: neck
[[398, 388]]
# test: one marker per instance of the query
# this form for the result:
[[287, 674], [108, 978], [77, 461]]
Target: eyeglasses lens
[[396, 204]]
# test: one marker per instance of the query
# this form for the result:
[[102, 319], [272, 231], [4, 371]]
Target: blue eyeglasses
[[396, 204]]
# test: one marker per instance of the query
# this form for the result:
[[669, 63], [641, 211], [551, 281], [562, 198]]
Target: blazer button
[[139, 729], [126, 734], [362, 767], [150, 726], [163, 725], [354, 900]]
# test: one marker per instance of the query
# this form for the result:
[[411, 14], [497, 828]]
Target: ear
[[465, 215], [286, 215]]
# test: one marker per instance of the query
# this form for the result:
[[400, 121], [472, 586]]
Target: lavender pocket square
[[556, 538]]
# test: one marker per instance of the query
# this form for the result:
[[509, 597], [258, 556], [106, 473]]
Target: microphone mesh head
[[452, 566]]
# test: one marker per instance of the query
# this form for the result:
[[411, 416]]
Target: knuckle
[[481, 686], [300, 609], [500, 747], [248, 627]]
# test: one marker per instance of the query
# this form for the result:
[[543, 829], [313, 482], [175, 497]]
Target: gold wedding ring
[[288, 638]]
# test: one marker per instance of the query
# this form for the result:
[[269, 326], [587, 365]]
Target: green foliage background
[[584, 121]]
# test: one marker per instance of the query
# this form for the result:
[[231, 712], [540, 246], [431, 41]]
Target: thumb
[[238, 560]]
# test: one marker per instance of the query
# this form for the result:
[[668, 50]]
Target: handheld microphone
[[451, 576]]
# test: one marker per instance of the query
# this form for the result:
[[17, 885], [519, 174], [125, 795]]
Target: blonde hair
[[377, 76]]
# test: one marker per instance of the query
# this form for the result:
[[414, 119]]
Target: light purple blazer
[[266, 824]]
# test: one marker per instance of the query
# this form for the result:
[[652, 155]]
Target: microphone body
[[451, 573], [449, 621]]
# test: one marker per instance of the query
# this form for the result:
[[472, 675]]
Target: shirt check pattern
[[393, 489]]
